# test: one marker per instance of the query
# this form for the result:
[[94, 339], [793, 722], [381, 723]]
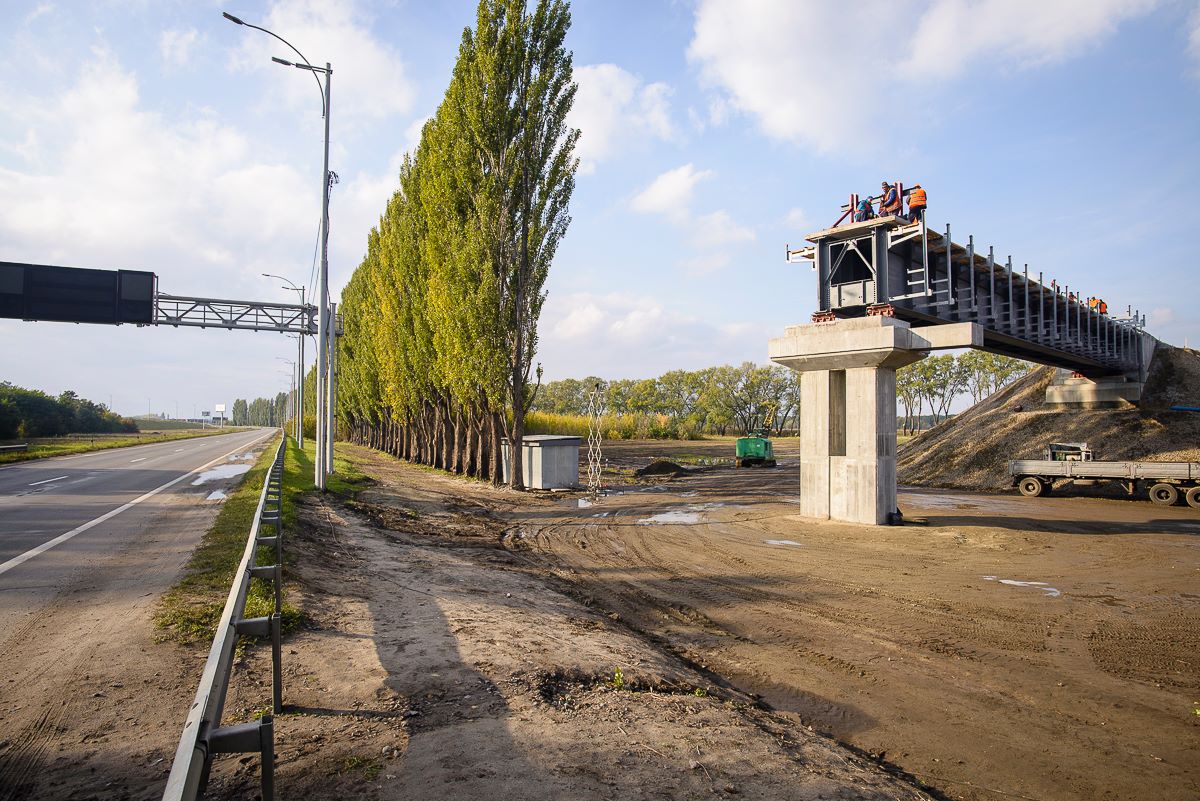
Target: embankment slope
[[972, 450]]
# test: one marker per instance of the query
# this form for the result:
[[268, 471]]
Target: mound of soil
[[972, 450], [661, 469]]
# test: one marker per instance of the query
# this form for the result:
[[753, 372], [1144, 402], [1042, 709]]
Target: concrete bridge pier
[[848, 408]]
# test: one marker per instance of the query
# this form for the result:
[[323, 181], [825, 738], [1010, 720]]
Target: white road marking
[[180, 450], [47, 481], [133, 461], [17, 561]]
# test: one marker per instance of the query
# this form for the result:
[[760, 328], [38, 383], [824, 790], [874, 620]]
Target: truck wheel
[[1031, 487], [1164, 494], [1193, 497]]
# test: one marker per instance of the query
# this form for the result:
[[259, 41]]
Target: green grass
[[346, 482], [86, 443], [190, 610]]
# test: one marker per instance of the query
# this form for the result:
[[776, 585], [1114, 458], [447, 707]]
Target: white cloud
[[1027, 33], [369, 77], [1162, 316], [670, 194], [718, 229], [612, 108], [790, 64], [798, 219], [176, 46], [40, 10], [1194, 37], [112, 185], [621, 335]]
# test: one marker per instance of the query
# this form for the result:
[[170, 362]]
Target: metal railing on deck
[[203, 735]]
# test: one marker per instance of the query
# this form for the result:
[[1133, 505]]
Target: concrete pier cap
[[848, 407]]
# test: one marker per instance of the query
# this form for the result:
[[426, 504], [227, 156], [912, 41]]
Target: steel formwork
[[893, 267]]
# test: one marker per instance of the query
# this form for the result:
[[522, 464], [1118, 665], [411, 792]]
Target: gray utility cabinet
[[550, 461]]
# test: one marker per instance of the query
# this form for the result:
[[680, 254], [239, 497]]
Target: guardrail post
[[245, 738], [277, 661]]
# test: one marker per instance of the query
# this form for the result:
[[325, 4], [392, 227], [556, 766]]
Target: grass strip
[[69, 446], [190, 610]]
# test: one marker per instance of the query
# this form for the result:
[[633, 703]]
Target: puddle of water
[[665, 518], [221, 471], [216, 495], [584, 503], [688, 515], [692, 494], [603, 514], [1051, 592], [781, 542]]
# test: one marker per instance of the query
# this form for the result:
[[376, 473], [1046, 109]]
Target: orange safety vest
[[1102, 307], [916, 198], [893, 206]]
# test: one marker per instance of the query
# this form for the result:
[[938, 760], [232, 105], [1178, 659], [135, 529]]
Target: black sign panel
[[73, 295]]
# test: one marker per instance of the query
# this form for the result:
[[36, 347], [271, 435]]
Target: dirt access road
[[1030, 648]]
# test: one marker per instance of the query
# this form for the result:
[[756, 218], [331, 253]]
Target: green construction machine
[[755, 449]]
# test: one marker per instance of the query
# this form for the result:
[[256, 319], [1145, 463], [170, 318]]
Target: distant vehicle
[[1165, 482], [755, 449]]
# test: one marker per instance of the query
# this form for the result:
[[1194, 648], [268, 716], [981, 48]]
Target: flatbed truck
[[1166, 483]]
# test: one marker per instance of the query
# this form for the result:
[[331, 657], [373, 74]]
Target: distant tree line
[[681, 404], [684, 404], [928, 388], [32, 413], [270, 412]]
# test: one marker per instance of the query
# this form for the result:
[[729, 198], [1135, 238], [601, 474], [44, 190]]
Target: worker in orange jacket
[[889, 200], [917, 201]]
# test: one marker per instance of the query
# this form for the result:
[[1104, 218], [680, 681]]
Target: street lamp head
[[285, 63], [231, 18]]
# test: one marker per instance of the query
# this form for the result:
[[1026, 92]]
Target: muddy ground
[[1010, 648], [680, 638], [1013, 647], [440, 664]]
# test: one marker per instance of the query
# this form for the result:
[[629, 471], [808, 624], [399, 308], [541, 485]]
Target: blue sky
[[158, 136]]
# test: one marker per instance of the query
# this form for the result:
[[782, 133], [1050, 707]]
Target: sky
[[155, 135]]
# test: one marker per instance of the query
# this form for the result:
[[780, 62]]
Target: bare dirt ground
[[441, 665], [1031, 648], [683, 637]]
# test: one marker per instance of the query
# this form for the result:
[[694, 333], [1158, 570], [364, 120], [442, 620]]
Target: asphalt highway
[[81, 502]]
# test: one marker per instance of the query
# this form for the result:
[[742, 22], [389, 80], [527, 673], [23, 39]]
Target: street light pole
[[321, 465], [300, 357]]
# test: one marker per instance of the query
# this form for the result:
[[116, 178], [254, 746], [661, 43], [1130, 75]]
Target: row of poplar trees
[[440, 319]]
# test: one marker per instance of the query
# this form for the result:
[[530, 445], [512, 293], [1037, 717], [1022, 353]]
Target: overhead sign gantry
[[34, 292]]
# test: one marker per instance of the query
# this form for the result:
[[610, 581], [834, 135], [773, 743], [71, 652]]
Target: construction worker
[[889, 200], [1101, 306], [916, 203], [865, 210]]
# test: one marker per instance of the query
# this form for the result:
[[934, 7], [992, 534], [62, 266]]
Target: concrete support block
[[848, 413], [1069, 392], [814, 444]]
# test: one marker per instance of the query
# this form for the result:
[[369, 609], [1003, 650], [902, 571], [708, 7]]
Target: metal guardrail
[[203, 735], [22, 447]]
